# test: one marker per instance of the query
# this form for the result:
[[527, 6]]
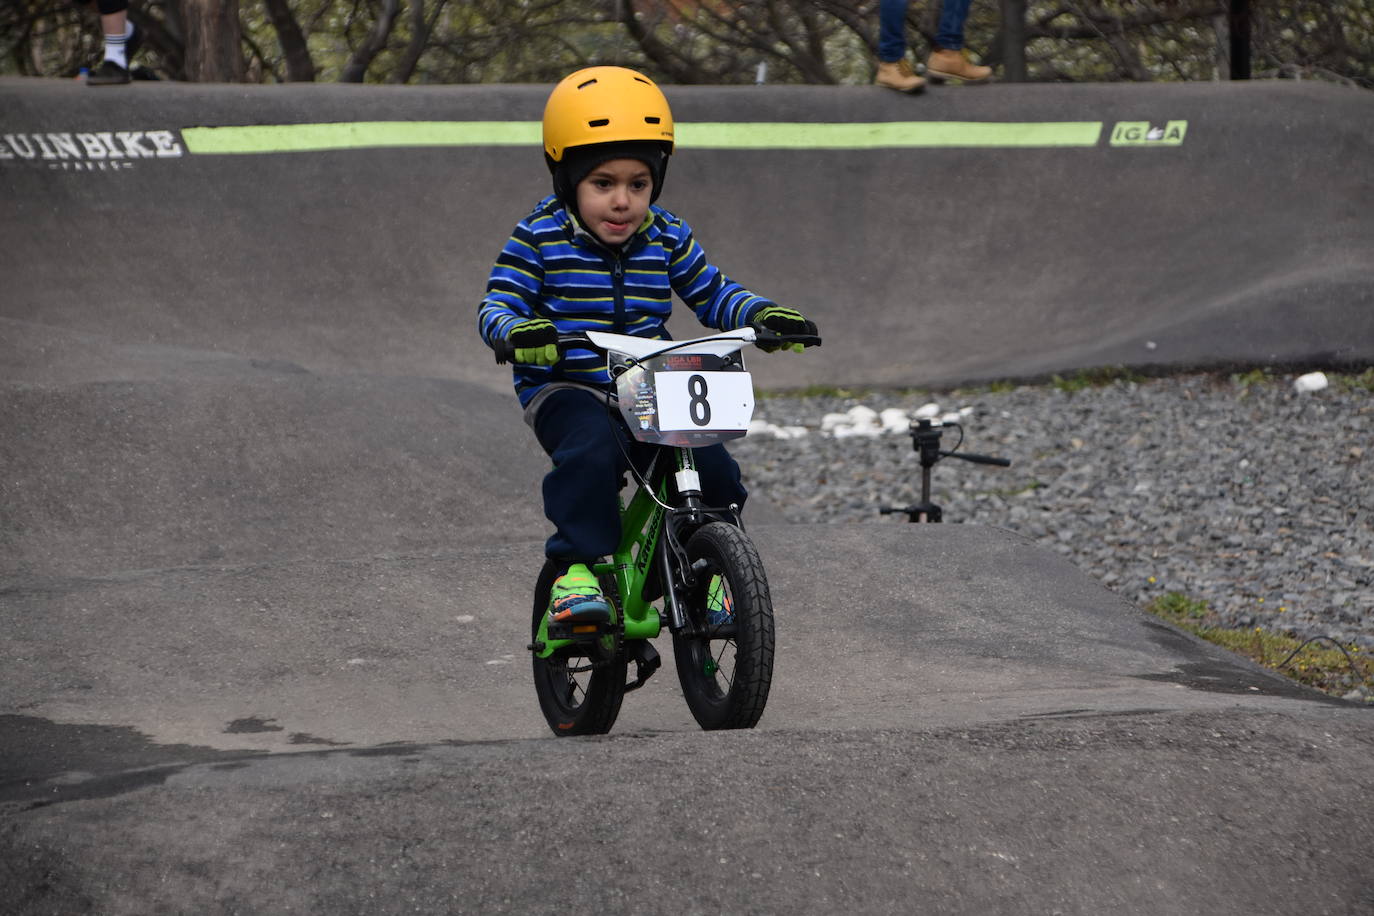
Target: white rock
[[844, 432], [860, 415], [895, 420], [764, 428], [1312, 381]]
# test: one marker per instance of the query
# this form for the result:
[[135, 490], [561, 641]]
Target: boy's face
[[614, 198]]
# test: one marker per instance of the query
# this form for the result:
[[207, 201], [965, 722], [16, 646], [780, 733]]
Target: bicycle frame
[[642, 527]]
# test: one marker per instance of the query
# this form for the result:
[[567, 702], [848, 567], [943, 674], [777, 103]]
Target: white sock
[[114, 46]]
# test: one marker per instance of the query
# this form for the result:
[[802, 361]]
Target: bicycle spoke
[[721, 673], [569, 687]]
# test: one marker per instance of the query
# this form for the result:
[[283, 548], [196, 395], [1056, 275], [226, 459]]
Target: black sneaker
[[132, 44], [108, 73]]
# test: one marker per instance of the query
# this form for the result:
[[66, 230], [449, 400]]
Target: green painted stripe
[[301, 138], [889, 134], [297, 138]]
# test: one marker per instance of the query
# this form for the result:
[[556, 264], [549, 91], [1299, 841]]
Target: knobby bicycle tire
[[575, 703], [726, 676]]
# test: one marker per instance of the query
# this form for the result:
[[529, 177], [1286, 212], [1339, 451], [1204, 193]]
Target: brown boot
[[954, 65], [898, 75]]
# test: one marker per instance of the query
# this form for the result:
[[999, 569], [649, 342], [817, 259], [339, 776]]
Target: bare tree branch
[[373, 44], [420, 30], [299, 67], [665, 58]]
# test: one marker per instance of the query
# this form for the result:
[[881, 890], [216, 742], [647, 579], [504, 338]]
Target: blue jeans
[[892, 27], [580, 493]]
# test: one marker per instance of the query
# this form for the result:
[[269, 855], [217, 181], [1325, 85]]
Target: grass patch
[[1352, 382], [814, 391], [1099, 377], [997, 386], [1013, 492], [1255, 378], [1178, 607], [1322, 664]]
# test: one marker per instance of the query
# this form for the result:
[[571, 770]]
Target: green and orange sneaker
[[576, 599], [720, 610]]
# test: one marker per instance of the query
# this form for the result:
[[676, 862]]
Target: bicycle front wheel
[[580, 688], [726, 667]]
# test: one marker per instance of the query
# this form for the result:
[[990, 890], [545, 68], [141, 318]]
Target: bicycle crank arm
[[647, 661]]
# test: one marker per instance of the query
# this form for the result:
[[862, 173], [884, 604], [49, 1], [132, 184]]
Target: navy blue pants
[[581, 492], [892, 27]]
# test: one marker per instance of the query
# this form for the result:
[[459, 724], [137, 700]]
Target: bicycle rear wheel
[[580, 688], [727, 670]]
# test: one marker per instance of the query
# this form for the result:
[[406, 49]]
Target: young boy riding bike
[[598, 255]]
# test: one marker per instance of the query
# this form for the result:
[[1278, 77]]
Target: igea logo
[[96, 151], [1143, 133]]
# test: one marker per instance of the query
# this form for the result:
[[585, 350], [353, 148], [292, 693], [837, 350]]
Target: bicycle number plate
[[689, 407]]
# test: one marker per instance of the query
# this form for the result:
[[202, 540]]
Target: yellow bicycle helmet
[[605, 105], [601, 113]]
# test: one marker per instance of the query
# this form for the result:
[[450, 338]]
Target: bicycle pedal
[[579, 631]]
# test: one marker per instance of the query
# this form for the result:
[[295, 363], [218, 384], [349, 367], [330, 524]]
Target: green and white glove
[[535, 341], [781, 320]]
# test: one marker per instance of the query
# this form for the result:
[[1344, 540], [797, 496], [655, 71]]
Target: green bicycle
[[679, 562]]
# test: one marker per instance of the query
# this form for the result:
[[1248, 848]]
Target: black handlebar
[[764, 338]]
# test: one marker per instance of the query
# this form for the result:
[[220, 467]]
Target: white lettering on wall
[[90, 150]]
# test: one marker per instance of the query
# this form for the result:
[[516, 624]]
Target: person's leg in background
[[894, 70], [947, 59], [122, 40]]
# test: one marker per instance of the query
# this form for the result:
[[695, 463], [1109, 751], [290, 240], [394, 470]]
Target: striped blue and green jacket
[[552, 268]]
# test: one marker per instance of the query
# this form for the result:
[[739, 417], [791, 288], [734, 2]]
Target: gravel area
[[1250, 493]]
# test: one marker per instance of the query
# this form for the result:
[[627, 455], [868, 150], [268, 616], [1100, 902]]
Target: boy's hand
[[782, 320], [535, 341]]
